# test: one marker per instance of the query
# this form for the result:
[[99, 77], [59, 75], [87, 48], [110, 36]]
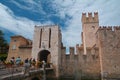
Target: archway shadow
[[44, 55]]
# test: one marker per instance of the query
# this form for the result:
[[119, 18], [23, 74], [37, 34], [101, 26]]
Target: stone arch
[[44, 55]]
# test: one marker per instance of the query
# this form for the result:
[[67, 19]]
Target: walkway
[[9, 74]]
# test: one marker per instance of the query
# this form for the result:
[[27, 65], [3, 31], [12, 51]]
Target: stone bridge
[[34, 74]]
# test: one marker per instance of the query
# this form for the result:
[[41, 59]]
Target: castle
[[97, 57]]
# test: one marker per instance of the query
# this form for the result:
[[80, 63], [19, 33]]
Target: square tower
[[90, 25], [47, 45]]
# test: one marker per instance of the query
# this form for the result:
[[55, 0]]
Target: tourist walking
[[33, 63], [18, 61], [26, 66], [37, 64], [30, 61], [12, 60]]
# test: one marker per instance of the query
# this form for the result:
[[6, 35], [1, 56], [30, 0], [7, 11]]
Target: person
[[26, 66], [12, 60], [44, 64], [30, 61], [37, 63], [18, 60], [33, 63]]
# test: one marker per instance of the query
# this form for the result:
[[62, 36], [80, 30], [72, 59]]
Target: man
[[26, 66], [18, 60]]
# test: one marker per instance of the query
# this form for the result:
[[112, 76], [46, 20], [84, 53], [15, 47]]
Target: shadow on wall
[[35, 78]]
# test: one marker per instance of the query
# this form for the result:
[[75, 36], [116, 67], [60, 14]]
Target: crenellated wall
[[80, 65], [90, 25], [86, 18], [68, 62], [89, 63], [97, 57], [109, 45]]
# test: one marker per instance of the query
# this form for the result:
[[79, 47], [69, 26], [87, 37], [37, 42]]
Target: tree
[[3, 47], [3, 42]]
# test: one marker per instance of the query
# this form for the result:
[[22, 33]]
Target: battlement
[[64, 47], [72, 50], [105, 28], [116, 27], [53, 27], [86, 18], [110, 28]]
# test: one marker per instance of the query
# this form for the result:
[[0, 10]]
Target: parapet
[[46, 25], [110, 28], [81, 48], [64, 48], [116, 28], [90, 18], [77, 45], [72, 50], [105, 28], [55, 27]]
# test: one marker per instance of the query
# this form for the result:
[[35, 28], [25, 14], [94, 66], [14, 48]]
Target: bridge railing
[[11, 69]]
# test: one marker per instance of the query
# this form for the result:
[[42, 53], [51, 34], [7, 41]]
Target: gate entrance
[[44, 55]]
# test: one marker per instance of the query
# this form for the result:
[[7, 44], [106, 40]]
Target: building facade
[[97, 57]]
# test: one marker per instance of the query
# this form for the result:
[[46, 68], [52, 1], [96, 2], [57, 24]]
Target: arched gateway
[[47, 45], [44, 55]]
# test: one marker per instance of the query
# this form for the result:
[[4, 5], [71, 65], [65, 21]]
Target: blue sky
[[20, 16]]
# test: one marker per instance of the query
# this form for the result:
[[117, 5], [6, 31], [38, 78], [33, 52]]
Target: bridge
[[16, 73]]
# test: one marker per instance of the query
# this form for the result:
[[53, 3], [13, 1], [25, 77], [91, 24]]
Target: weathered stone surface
[[48, 38], [97, 56], [109, 42], [19, 46]]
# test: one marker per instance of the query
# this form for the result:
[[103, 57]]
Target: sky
[[18, 17]]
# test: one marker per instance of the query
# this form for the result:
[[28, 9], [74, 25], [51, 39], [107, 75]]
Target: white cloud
[[31, 5], [108, 15], [109, 11], [17, 25]]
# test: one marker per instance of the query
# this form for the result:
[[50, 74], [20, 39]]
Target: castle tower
[[90, 25], [47, 45]]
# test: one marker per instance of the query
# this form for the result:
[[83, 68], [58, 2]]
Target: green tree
[[3, 42], [3, 47]]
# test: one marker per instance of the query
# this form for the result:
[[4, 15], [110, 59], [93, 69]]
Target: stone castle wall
[[89, 63], [48, 38], [80, 65], [98, 56], [68, 62], [90, 25], [109, 44]]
